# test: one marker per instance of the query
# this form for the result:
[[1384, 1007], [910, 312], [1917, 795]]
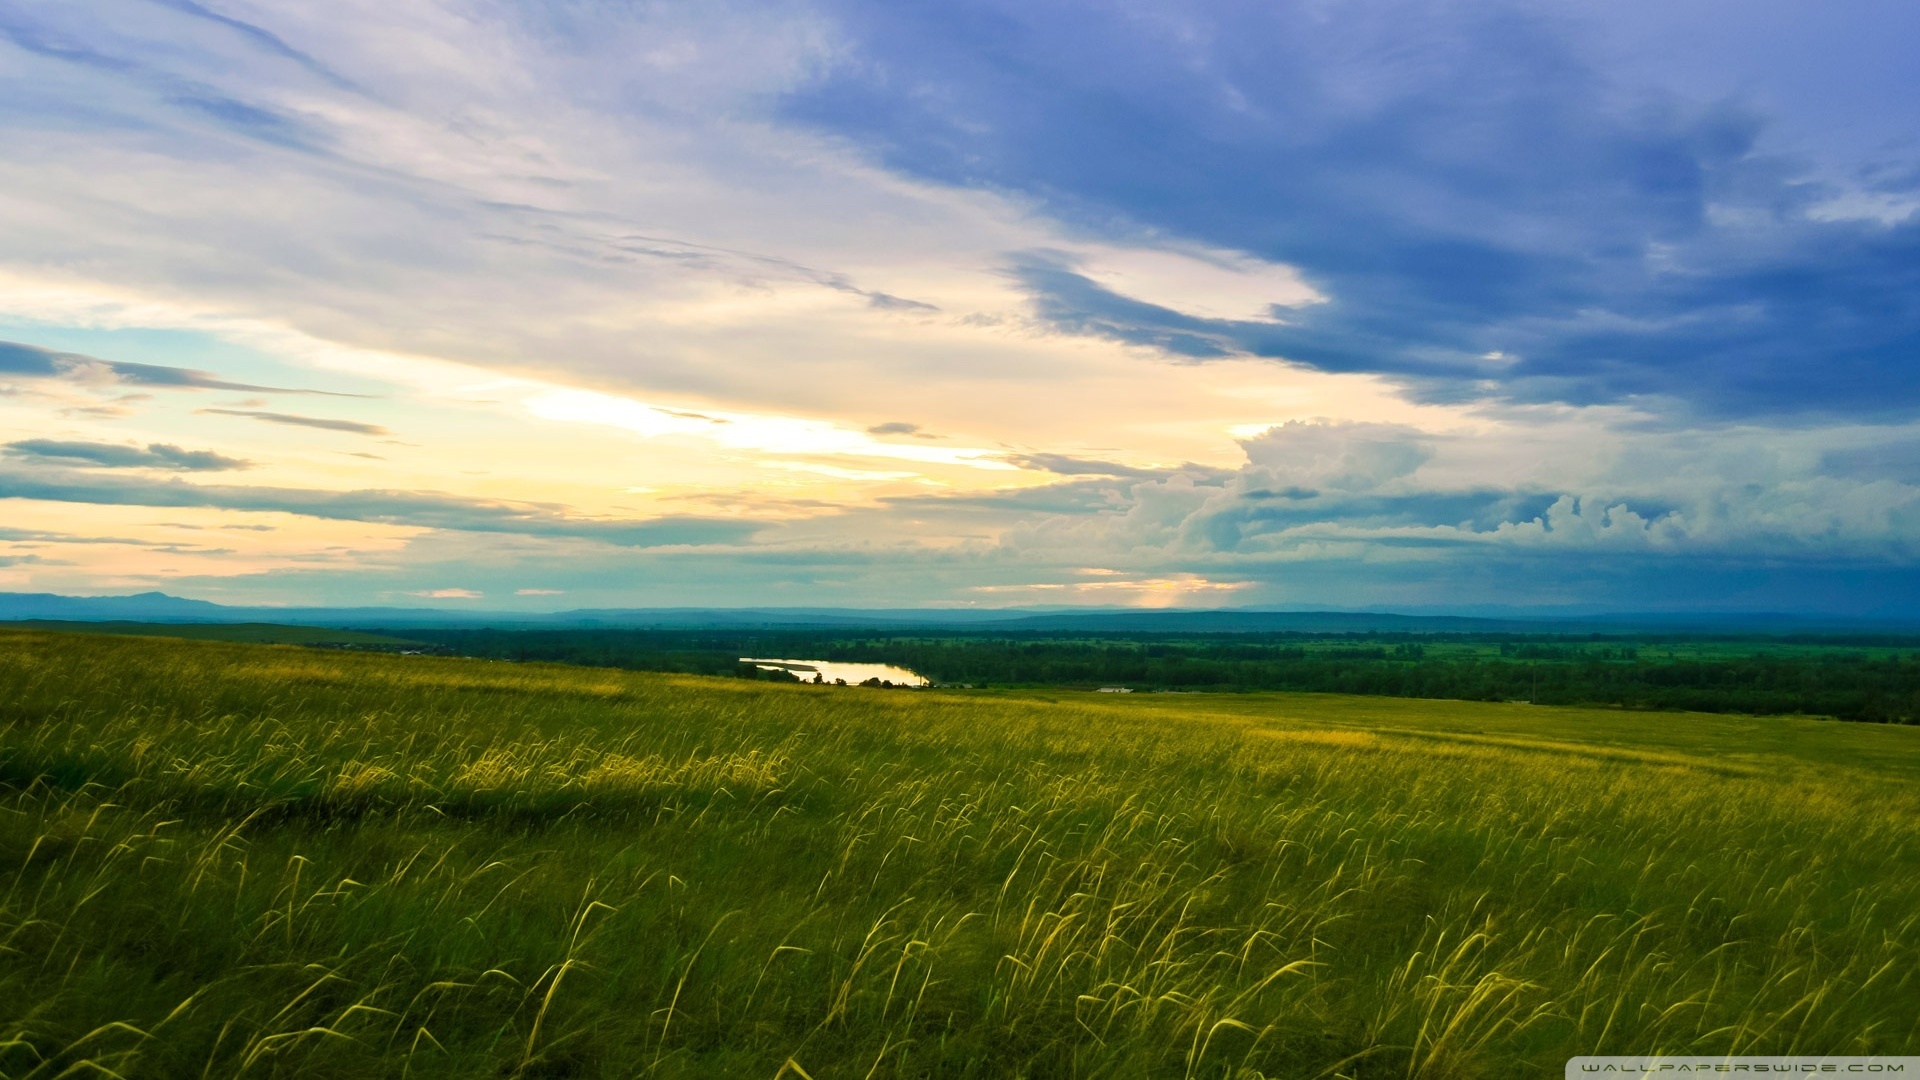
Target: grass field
[[233, 860]]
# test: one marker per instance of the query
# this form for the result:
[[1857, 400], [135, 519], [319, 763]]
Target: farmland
[[240, 860]]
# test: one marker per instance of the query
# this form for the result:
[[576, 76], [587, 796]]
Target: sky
[[1404, 305]]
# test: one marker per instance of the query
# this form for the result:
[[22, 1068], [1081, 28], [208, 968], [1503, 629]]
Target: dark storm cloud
[[1489, 214]]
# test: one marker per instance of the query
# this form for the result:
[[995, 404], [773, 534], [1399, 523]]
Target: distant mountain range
[[160, 607], [143, 607]]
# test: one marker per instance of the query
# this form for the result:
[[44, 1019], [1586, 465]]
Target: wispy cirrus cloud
[[422, 509], [33, 361], [1070, 465], [323, 423], [43, 536], [261, 38], [115, 456]]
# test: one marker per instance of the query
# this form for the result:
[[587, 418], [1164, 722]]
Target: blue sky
[[545, 305]]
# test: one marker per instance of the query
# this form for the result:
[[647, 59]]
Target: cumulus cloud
[[1347, 456], [1319, 503]]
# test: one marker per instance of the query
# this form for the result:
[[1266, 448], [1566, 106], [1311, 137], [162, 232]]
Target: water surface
[[832, 670]]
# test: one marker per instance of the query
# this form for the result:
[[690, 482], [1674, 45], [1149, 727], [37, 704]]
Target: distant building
[[1114, 690]]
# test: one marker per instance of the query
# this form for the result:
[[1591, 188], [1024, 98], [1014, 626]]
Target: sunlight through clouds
[[1281, 304], [744, 431]]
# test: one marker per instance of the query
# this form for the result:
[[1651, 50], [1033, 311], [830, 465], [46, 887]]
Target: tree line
[[1841, 680]]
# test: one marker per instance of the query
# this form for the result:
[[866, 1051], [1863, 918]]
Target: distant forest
[[1863, 678]]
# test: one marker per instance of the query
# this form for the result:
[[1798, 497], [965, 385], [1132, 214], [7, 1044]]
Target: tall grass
[[221, 860]]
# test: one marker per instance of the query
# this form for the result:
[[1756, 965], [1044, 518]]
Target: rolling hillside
[[230, 859]]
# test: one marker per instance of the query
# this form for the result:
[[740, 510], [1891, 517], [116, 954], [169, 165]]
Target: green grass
[[230, 860], [254, 633]]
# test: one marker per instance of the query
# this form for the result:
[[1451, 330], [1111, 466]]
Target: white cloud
[[1204, 283], [1350, 456], [1883, 207]]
